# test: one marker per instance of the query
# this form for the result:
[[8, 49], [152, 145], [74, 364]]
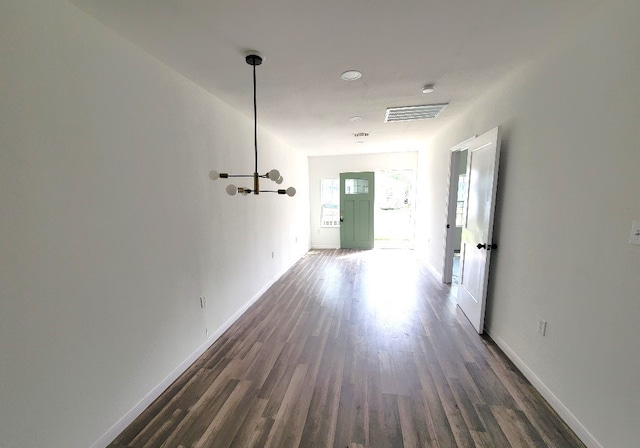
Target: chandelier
[[254, 59]]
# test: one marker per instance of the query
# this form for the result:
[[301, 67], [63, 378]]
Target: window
[[356, 186], [462, 196], [330, 202]]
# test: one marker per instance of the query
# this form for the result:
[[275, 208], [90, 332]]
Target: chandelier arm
[[263, 176], [281, 191]]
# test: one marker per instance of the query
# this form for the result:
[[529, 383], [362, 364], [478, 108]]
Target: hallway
[[351, 349]]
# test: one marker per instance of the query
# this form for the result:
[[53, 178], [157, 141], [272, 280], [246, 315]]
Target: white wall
[[330, 167], [568, 192], [111, 229]]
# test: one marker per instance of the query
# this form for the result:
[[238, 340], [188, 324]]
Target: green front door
[[356, 210]]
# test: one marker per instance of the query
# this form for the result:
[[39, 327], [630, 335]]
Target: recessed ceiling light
[[351, 75], [428, 88], [356, 118]]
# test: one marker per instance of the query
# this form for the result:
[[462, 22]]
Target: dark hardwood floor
[[351, 349]]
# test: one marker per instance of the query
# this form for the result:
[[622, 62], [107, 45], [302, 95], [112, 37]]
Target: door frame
[[451, 202]]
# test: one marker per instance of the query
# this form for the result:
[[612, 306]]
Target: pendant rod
[[255, 120]]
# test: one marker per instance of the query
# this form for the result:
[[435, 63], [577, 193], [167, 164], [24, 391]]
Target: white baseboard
[[434, 272], [324, 246], [581, 431], [143, 404]]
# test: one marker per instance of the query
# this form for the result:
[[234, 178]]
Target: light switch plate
[[635, 233]]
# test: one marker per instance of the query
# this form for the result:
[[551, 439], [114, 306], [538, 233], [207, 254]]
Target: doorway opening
[[394, 209], [455, 210], [461, 199]]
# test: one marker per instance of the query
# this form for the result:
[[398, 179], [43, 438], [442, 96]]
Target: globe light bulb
[[213, 175], [274, 175], [291, 191], [279, 180], [232, 190]]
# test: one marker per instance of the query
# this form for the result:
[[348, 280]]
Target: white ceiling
[[463, 46]]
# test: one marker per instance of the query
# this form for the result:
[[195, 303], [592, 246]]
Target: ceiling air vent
[[412, 113], [361, 134]]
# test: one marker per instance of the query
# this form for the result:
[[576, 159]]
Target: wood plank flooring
[[351, 349]]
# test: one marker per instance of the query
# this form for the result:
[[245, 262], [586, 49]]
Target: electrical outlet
[[542, 327], [203, 302], [635, 233]]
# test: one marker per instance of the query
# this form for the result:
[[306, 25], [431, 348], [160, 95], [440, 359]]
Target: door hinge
[[448, 226]]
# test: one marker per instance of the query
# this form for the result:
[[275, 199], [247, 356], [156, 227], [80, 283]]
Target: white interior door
[[477, 243]]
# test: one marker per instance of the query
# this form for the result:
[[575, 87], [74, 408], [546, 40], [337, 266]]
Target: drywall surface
[[567, 194], [330, 167], [111, 229]]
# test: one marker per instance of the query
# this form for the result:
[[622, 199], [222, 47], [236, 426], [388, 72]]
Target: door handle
[[481, 246], [342, 219], [487, 246]]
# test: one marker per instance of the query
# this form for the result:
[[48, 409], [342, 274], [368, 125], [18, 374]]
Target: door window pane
[[356, 186]]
